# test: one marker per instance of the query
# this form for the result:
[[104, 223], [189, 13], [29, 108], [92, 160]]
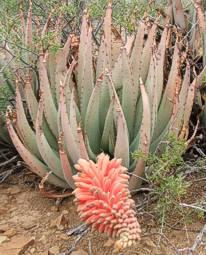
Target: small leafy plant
[[167, 185]]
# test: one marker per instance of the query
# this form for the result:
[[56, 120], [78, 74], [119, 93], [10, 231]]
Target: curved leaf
[[50, 110], [144, 140], [32, 162]]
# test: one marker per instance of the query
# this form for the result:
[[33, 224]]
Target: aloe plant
[[118, 98]]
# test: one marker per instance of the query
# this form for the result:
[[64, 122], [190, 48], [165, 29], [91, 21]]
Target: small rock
[[43, 239], [44, 253], [27, 225], [4, 228], [3, 239], [54, 209], [109, 243], [32, 250], [79, 252], [10, 232], [14, 190], [149, 243], [17, 246], [63, 237], [60, 222], [54, 251]]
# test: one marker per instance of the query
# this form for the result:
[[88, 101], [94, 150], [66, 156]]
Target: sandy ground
[[34, 225]]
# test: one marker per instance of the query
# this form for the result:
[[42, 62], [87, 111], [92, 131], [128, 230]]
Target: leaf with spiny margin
[[82, 48], [151, 87], [107, 26], [66, 167], [51, 69], [104, 58], [188, 109], [50, 110], [73, 117], [71, 144], [82, 145], [144, 138], [31, 100], [92, 120], [167, 104], [104, 102], [160, 62], [145, 120], [32, 162], [61, 64], [50, 157], [179, 14], [117, 73], [147, 52], [116, 45], [28, 35], [121, 149], [136, 54], [181, 104], [108, 130], [23, 128], [91, 154], [33, 108], [86, 85], [129, 94], [101, 58], [130, 43]]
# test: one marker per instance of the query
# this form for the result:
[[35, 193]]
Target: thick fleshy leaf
[[116, 45], [51, 70], [121, 149], [129, 94], [108, 33], [117, 73], [82, 49], [137, 51], [31, 100], [32, 162], [160, 62], [71, 144], [202, 25], [179, 15], [66, 167], [51, 157], [85, 79], [104, 59], [108, 132], [188, 109], [172, 87], [28, 35], [73, 117], [25, 131], [144, 140], [147, 52], [152, 90], [92, 120], [181, 104], [50, 110], [82, 145]]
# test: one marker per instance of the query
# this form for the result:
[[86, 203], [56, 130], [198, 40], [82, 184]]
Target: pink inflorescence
[[104, 200]]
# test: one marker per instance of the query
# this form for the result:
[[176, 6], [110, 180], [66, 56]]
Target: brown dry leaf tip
[[11, 114], [103, 199]]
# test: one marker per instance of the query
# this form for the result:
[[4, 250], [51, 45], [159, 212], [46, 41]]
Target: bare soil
[[24, 213]]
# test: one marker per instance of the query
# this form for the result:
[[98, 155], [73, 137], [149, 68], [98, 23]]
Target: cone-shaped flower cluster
[[104, 200]]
